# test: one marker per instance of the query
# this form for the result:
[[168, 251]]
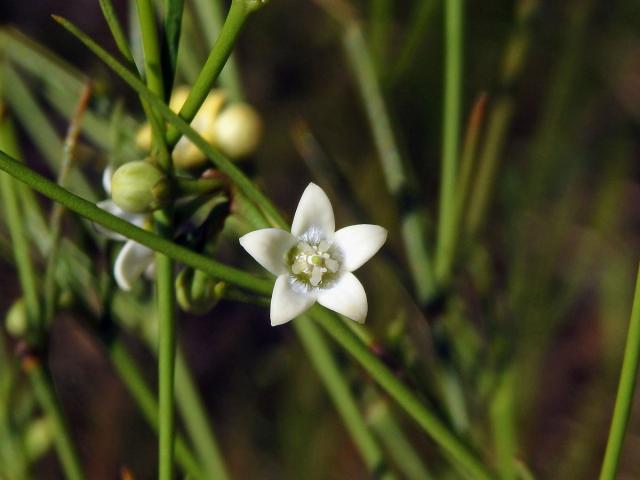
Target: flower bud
[[197, 292], [186, 155], [139, 187], [237, 131], [38, 438], [16, 319]]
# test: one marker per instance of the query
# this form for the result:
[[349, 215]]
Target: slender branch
[[396, 172], [43, 389], [155, 242], [626, 389], [238, 14], [450, 136], [338, 389]]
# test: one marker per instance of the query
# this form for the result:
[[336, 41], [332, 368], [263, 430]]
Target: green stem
[[43, 389], [209, 13], [196, 422], [146, 401], [57, 213], [407, 458], [109, 13], [454, 11], [500, 115], [238, 14], [321, 357], [166, 363], [455, 449], [155, 242], [152, 62], [421, 17], [224, 164], [626, 388], [394, 170], [19, 240]]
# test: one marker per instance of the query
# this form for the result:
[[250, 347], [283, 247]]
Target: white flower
[[134, 259], [314, 262]]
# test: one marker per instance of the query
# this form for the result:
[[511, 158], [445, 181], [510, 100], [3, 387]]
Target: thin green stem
[[400, 447], [431, 424], [322, 359], [166, 363], [151, 46], [173, 10], [26, 273], [155, 242], [238, 14], [43, 389], [380, 21], [500, 115], [209, 13], [146, 401], [57, 213], [626, 389], [394, 169], [453, 13], [196, 422], [109, 13], [223, 163], [422, 16]]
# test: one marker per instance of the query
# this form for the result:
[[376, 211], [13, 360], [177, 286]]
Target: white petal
[[346, 297], [106, 179], [287, 303], [314, 211], [109, 206], [132, 261], [358, 243], [269, 247]]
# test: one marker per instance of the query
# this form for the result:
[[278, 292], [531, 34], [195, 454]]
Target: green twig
[[146, 401], [26, 273], [43, 389], [238, 14], [500, 115], [173, 10], [626, 388], [422, 16], [209, 13], [394, 169], [109, 13], [196, 422], [407, 458], [338, 389], [55, 221], [454, 12]]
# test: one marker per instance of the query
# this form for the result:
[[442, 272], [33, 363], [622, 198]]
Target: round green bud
[[16, 319], [139, 187], [38, 438], [197, 292], [237, 130]]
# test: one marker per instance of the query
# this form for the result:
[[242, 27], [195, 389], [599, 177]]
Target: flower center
[[314, 263]]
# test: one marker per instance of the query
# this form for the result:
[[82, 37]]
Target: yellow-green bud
[[237, 130], [139, 187], [16, 319], [197, 292], [38, 438]]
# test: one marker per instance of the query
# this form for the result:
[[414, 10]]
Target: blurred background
[[542, 283]]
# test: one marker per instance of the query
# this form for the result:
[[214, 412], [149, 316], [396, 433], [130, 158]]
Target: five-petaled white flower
[[314, 262]]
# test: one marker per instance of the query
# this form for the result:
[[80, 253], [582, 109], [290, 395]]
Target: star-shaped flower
[[314, 262]]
